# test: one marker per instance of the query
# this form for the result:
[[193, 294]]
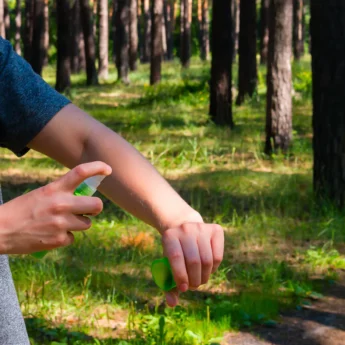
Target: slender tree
[[113, 28], [221, 45], [28, 28], [133, 34], [122, 38], [186, 21], [264, 30], [103, 39], [64, 22], [2, 19], [298, 36], [46, 31], [169, 22], [7, 20], [38, 38], [89, 41], [156, 41], [328, 56], [247, 73], [18, 23], [75, 36], [147, 31], [235, 15], [279, 85], [204, 30]]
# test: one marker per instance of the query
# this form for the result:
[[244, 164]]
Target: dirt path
[[322, 323]]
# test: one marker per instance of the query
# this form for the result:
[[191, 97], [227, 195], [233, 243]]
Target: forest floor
[[321, 323], [280, 281]]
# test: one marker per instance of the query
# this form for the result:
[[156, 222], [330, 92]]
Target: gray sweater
[[27, 104]]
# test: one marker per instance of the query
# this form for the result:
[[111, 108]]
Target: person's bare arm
[[195, 249]]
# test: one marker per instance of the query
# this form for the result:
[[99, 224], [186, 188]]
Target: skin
[[46, 217]]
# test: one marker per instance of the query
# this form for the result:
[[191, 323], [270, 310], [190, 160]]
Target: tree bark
[[186, 21], [205, 41], [2, 19], [169, 23], [89, 42], [46, 31], [298, 37], [247, 73], [156, 41], [64, 23], [279, 85], [28, 29], [264, 30], [147, 34], [133, 35], [122, 44], [328, 56], [38, 38], [7, 20], [113, 28], [221, 76], [103, 39], [18, 22], [75, 36], [235, 15]]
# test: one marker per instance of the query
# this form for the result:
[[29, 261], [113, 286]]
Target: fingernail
[[183, 287]]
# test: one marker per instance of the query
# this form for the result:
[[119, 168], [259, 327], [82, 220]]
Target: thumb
[[77, 175]]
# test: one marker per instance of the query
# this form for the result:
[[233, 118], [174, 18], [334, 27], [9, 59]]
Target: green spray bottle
[[86, 188], [162, 274]]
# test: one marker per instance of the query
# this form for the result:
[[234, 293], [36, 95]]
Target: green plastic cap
[[162, 274]]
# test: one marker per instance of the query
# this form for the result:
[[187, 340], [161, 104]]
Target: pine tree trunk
[[7, 20], [220, 84], [156, 41], [247, 73], [235, 14], [328, 56], [264, 30], [133, 35], [186, 21], [122, 38], [89, 41], [113, 29], [298, 37], [28, 29], [205, 41], [147, 34], [103, 39], [75, 15], [2, 19], [18, 22], [38, 43], [46, 31], [279, 85], [64, 23], [169, 22]]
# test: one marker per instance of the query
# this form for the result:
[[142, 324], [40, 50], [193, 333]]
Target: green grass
[[279, 242]]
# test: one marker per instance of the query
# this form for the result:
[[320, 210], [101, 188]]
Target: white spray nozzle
[[94, 181]]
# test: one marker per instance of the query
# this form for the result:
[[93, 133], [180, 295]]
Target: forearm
[[134, 185]]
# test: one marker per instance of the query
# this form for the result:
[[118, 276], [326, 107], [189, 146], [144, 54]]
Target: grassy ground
[[279, 243]]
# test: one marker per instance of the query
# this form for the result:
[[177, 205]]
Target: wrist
[[188, 216]]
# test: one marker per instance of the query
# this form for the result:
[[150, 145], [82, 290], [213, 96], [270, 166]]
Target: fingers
[[78, 223], [206, 258], [173, 251], [192, 260], [217, 243], [76, 176], [84, 205], [172, 298]]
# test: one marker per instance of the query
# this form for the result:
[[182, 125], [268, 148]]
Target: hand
[[44, 218], [194, 250]]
